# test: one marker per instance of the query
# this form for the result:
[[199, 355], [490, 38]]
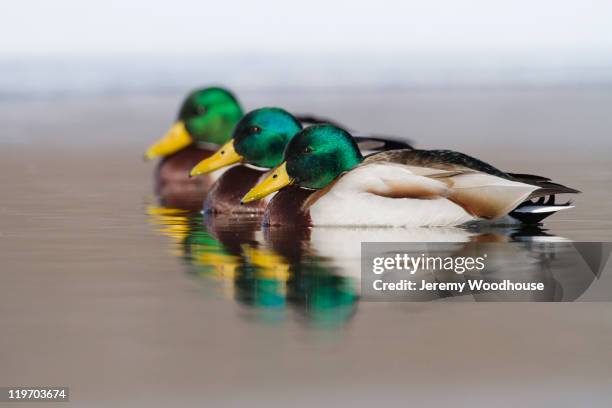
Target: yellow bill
[[176, 139], [225, 156], [274, 182]]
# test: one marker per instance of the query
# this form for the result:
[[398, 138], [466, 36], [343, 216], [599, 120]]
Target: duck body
[[386, 195], [411, 188], [286, 208], [223, 197], [354, 200], [172, 183], [205, 121], [391, 195]]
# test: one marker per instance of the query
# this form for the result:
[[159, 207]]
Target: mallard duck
[[205, 121], [401, 187], [259, 139]]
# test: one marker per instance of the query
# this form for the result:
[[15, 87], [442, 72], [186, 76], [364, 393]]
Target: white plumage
[[399, 195]]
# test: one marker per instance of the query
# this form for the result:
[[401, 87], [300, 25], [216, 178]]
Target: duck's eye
[[200, 110], [307, 150], [254, 129]]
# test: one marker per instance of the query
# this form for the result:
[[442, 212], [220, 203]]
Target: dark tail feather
[[548, 188], [542, 202]]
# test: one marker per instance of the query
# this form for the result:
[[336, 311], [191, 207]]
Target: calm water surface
[[123, 300]]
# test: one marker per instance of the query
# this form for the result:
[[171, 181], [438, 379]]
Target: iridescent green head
[[206, 116], [319, 154], [260, 138], [262, 135], [313, 159], [210, 115]]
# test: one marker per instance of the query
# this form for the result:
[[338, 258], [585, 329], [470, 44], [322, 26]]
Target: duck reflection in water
[[514, 253], [316, 272], [275, 278]]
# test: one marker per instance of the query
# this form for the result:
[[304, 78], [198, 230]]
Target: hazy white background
[[153, 26], [66, 47]]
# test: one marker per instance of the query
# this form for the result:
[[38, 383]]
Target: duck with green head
[[398, 187], [205, 121], [259, 139]]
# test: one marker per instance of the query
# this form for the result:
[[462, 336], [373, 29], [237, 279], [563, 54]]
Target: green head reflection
[[270, 278]]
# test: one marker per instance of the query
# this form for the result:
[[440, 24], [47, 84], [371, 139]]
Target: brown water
[[125, 302]]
